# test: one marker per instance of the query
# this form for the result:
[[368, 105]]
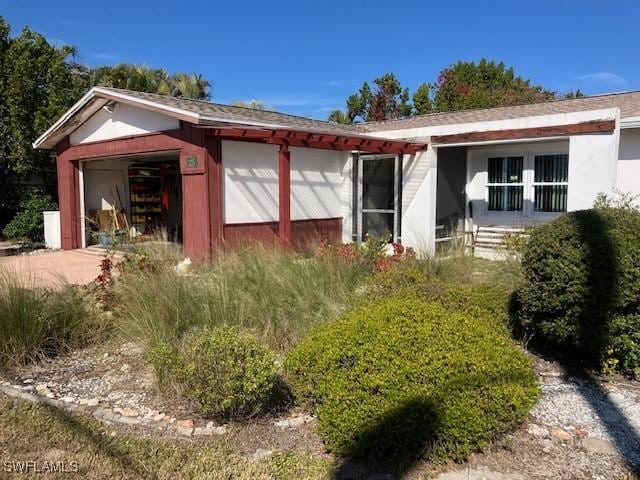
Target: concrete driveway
[[50, 268]]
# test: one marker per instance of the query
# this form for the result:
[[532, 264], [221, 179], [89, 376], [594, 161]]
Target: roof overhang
[[549, 131], [245, 130]]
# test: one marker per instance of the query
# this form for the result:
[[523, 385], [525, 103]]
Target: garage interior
[[132, 200]]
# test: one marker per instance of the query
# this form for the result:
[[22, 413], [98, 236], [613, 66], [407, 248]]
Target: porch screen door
[[378, 196]]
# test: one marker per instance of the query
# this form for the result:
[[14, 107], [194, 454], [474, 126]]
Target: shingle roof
[[628, 102], [237, 114]]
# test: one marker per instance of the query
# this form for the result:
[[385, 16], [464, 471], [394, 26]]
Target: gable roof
[[205, 113], [198, 112], [627, 102]]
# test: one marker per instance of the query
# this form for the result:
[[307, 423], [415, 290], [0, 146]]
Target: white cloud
[[607, 78]]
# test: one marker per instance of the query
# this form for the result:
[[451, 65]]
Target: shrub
[[35, 323], [405, 377], [472, 297], [580, 272], [622, 353], [228, 372], [29, 222]]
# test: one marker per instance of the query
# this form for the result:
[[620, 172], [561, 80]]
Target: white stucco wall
[[628, 165], [592, 168], [251, 182], [123, 122]]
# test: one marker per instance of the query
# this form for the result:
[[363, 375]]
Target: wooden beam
[[284, 195], [595, 126], [170, 140], [318, 140]]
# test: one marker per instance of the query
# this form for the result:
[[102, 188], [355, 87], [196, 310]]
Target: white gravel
[[609, 411]]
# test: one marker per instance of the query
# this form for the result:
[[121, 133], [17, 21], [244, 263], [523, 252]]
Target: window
[[550, 183], [378, 196], [506, 187]]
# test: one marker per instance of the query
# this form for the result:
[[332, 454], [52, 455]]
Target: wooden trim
[[284, 195], [168, 141], [595, 126], [305, 233], [216, 192], [316, 140]]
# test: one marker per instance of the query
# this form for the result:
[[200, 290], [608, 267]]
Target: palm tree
[[255, 104], [338, 116], [190, 86]]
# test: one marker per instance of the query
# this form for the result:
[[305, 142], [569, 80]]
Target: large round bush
[[406, 377], [227, 371], [580, 272]]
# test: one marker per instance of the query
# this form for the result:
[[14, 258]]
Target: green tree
[[340, 117], [422, 100], [38, 83], [484, 84]]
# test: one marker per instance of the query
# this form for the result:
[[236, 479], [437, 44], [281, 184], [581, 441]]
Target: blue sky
[[305, 57]]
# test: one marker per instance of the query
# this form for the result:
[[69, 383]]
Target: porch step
[[489, 241]]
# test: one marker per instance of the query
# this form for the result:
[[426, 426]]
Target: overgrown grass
[[278, 295], [43, 434], [35, 322]]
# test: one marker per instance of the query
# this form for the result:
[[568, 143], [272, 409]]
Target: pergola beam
[[325, 141]]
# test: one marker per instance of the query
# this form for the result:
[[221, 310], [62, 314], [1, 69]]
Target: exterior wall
[[628, 165], [251, 182], [419, 174], [123, 122], [592, 168]]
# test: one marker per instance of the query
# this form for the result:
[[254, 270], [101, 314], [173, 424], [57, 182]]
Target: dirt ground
[[583, 427]]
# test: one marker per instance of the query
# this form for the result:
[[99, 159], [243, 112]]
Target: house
[[216, 175]]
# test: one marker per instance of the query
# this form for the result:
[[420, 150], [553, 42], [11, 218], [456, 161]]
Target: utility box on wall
[[52, 229]]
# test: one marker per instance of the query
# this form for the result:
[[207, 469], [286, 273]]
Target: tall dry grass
[[277, 294], [35, 322]]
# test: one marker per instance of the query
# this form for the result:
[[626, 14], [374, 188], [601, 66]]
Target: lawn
[[91, 450]]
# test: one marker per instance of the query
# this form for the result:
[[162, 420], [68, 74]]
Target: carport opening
[[133, 200]]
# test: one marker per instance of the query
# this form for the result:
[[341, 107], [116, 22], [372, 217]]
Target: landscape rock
[[561, 434], [261, 454], [479, 473], [129, 412], [184, 431], [537, 431], [185, 423], [599, 445]]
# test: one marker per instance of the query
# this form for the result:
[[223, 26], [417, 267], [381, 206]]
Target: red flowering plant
[[400, 253]]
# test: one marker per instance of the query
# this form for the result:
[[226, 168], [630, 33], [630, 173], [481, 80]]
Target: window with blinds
[[551, 182], [505, 184]]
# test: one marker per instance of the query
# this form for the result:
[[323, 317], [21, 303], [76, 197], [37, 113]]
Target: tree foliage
[[38, 83], [460, 86]]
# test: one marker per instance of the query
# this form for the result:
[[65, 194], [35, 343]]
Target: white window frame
[[395, 210], [506, 184], [535, 184], [528, 152]]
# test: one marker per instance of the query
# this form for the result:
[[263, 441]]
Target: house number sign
[[192, 162]]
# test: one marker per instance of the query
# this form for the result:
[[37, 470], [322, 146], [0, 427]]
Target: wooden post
[[68, 198], [284, 195]]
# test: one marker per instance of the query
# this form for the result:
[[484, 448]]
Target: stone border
[[116, 415]]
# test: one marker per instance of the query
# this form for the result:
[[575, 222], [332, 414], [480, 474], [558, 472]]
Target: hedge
[[581, 272], [405, 377]]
